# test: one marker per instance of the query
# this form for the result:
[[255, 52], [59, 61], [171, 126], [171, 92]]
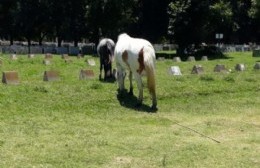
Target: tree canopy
[[184, 22]]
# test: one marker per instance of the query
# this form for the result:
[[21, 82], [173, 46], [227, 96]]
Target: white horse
[[138, 56]]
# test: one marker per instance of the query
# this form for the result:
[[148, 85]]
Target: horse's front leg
[[100, 69]]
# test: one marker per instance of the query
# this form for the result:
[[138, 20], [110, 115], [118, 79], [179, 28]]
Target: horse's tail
[[149, 63]]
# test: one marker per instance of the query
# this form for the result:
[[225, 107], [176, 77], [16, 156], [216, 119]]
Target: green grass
[[75, 123]]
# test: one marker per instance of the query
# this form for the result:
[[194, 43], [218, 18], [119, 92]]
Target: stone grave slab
[[204, 58], [197, 69], [175, 70], [91, 62], [10, 77], [31, 56], [240, 67], [257, 66], [13, 57], [48, 56], [220, 68], [51, 76], [46, 61], [176, 59], [86, 74], [65, 56], [191, 59]]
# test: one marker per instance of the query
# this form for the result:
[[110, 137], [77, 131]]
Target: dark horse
[[105, 50]]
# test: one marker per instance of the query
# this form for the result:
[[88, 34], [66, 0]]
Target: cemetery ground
[[207, 120]]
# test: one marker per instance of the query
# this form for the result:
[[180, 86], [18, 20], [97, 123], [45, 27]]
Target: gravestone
[[68, 60], [204, 58], [80, 56], [91, 62], [175, 70], [240, 67], [86, 74], [176, 59], [51, 76], [13, 57], [257, 66], [197, 69], [10, 77], [31, 56], [191, 59], [220, 68], [46, 61], [65, 56], [256, 53], [48, 56]]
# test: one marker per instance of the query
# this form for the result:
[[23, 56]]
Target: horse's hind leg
[[131, 83], [140, 88]]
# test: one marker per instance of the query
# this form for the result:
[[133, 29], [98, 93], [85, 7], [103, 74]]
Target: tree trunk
[[29, 45]]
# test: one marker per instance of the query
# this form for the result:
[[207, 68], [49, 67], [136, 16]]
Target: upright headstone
[[86, 74], [175, 70], [46, 61], [176, 59], [51, 76], [30, 55], [204, 58], [257, 66], [13, 57], [10, 77], [240, 67], [197, 69], [191, 59], [160, 58], [65, 56], [220, 68], [48, 56]]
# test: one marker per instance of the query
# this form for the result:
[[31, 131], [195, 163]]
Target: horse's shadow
[[130, 101]]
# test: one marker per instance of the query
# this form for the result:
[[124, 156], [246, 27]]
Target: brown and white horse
[[138, 56]]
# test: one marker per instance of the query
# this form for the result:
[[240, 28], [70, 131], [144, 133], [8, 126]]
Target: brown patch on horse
[[125, 58], [141, 61]]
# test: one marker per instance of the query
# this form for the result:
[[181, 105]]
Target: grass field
[[209, 120]]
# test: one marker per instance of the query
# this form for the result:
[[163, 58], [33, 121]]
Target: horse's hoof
[[154, 109]]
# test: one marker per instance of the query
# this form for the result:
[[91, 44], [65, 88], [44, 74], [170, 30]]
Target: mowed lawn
[[208, 120]]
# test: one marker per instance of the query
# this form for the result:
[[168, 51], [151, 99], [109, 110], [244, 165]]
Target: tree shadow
[[130, 101]]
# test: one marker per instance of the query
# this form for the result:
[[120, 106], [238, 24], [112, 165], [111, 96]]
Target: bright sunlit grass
[[74, 123]]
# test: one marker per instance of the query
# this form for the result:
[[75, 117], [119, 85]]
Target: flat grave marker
[[86, 74], [51, 75], [91, 62], [10, 77]]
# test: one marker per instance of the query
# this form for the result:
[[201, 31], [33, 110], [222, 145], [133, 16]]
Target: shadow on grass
[[130, 101]]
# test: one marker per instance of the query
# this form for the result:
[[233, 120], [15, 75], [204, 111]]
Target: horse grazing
[[138, 56], [105, 50]]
